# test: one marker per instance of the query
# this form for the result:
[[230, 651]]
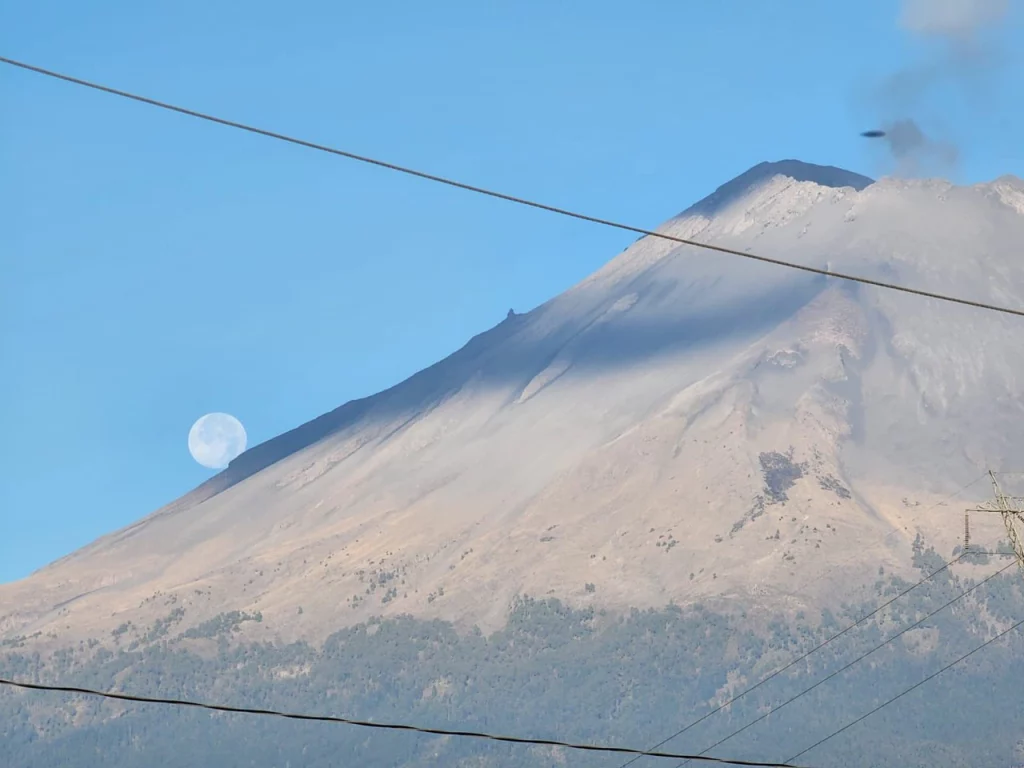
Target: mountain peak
[[822, 175], [775, 420]]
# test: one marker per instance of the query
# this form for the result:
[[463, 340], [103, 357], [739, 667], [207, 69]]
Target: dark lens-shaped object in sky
[[873, 134]]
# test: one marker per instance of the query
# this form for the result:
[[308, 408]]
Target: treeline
[[551, 672]]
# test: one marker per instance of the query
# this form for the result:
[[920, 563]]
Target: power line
[[506, 197], [908, 690], [836, 636], [881, 645], [370, 724]]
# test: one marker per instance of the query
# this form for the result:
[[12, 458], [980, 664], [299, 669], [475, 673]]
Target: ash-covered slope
[[681, 425]]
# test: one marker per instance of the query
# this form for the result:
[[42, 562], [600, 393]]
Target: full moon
[[215, 439]]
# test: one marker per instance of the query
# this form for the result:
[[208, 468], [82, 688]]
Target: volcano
[[681, 426]]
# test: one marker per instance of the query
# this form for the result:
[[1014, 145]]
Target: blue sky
[[155, 267]]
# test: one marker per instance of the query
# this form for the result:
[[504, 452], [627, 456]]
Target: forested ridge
[[551, 672]]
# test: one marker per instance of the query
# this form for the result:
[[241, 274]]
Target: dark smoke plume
[[962, 62]]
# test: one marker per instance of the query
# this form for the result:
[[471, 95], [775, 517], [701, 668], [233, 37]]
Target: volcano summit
[[681, 426]]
